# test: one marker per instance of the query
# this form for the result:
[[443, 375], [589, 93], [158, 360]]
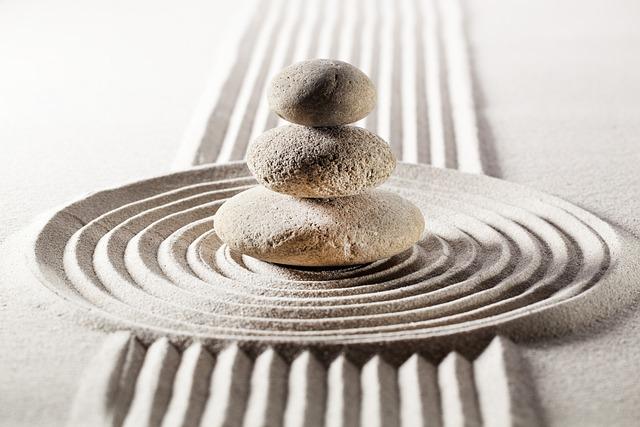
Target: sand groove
[[414, 51], [305, 393], [145, 256]]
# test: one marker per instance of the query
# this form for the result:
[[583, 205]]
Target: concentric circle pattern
[[146, 255]]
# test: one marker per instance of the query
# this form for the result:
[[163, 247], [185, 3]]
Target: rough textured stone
[[320, 162], [318, 232], [322, 92]]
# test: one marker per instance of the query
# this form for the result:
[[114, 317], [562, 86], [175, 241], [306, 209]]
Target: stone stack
[[316, 205]]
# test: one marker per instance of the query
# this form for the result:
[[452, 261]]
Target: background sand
[[85, 98]]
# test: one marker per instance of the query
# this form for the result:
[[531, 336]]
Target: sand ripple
[[146, 255]]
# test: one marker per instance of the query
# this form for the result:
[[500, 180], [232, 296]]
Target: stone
[[322, 92], [320, 162], [350, 230]]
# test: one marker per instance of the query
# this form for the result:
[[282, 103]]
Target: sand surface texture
[[146, 256], [555, 92]]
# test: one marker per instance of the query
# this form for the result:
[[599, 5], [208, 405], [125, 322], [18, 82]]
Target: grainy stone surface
[[318, 232], [320, 162], [322, 92]]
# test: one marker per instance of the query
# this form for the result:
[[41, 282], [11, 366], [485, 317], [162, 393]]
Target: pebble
[[321, 92], [342, 231], [320, 162]]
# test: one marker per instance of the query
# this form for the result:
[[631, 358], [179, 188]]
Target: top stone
[[321, 92]]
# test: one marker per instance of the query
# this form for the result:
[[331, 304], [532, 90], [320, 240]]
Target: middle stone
[[320, 162]]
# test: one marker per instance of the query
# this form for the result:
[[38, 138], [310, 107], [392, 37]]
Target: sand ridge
[[496, 255]]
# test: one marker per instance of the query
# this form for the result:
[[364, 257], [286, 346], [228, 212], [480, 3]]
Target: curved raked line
[[156, 262]]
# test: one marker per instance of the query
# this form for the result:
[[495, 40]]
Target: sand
[[544, 123], [498, 258], [495, 257]]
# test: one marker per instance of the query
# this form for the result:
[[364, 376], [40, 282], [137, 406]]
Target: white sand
[[560, 93]]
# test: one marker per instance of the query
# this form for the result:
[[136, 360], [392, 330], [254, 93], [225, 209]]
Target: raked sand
[[545, 123]]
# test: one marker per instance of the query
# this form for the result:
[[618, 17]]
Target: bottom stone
[[287, 230]]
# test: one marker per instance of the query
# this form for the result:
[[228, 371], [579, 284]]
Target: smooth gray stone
[[320, 162], [322, 92], [318, 232]]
